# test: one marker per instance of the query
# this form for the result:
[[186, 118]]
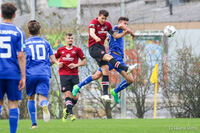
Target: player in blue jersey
[[116, 49], [38, 71], [12, 63]]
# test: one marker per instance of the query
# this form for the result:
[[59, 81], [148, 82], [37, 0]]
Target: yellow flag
[[154, 75]]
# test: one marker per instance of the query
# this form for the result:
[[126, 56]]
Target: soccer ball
[[169, 31]]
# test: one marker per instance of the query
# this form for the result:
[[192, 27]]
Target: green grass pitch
[[108, 126]]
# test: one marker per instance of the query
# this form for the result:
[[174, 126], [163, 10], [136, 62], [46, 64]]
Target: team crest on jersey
[[68, 58]]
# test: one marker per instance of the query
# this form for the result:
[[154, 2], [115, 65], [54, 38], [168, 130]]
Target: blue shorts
[[118, 58], [10, 87], [37, 85]]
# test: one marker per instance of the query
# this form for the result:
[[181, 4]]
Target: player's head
[[69, 39], [103, 14], [8, 11], [123, 21], [34, 27]]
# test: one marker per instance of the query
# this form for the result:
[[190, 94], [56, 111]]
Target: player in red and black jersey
[[69, 55], [98, 29]]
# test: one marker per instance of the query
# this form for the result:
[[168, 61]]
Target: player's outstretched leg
[[115, 95], [46, 115], [130, 68], [32, 112], [77, 87], [115, 92], [117, 64]]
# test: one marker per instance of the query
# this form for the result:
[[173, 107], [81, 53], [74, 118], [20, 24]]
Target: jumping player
[[12, 63], [38, 71], [69, 55], [98, 29], [116, 50]]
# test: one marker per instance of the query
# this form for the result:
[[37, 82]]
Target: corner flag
[[154, 75], [154, 79]]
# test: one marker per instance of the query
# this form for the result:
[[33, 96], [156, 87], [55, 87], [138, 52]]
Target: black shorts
[[68, 81], [97, 52]]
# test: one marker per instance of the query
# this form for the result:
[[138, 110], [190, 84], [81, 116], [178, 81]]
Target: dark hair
[[8, 10], [123, 19], [68, 34], [104, 13], [34, 27]]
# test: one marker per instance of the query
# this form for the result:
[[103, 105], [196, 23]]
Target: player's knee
[[31, 97], [1, 102], [129, 80], [96, 76], [107, 57], [68, 94], [105, 70]]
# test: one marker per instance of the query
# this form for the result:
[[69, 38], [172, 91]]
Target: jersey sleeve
[[115, 27], [110, 30], [81, 54], [92, 24], [21, 41], [57, 55]]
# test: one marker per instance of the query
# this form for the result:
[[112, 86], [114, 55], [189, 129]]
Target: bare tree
[[182, 98]]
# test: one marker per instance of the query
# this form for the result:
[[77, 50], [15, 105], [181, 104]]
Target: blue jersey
[[12, 40], [38, 51], [117, 45]]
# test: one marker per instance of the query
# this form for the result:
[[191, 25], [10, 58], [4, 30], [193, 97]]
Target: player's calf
[[1, 109], [32, 112]]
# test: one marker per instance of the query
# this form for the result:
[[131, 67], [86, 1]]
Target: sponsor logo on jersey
[[73, 52], [101, 32], [68, 58]]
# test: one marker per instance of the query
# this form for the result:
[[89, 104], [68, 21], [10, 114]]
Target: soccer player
[[98, 29], [116, 50], [38, 71], [69, 55], [12, 63]]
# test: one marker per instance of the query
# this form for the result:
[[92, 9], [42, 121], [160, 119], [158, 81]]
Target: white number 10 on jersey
[[39, 55]]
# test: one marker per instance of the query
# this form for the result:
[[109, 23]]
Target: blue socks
[[13, 119], [1, 108], [86, 81], [32, 110], [122, 86], [44, 102]]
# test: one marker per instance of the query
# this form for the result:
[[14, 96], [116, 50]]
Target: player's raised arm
[[122, 24], [118, 35], [93, 35]]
